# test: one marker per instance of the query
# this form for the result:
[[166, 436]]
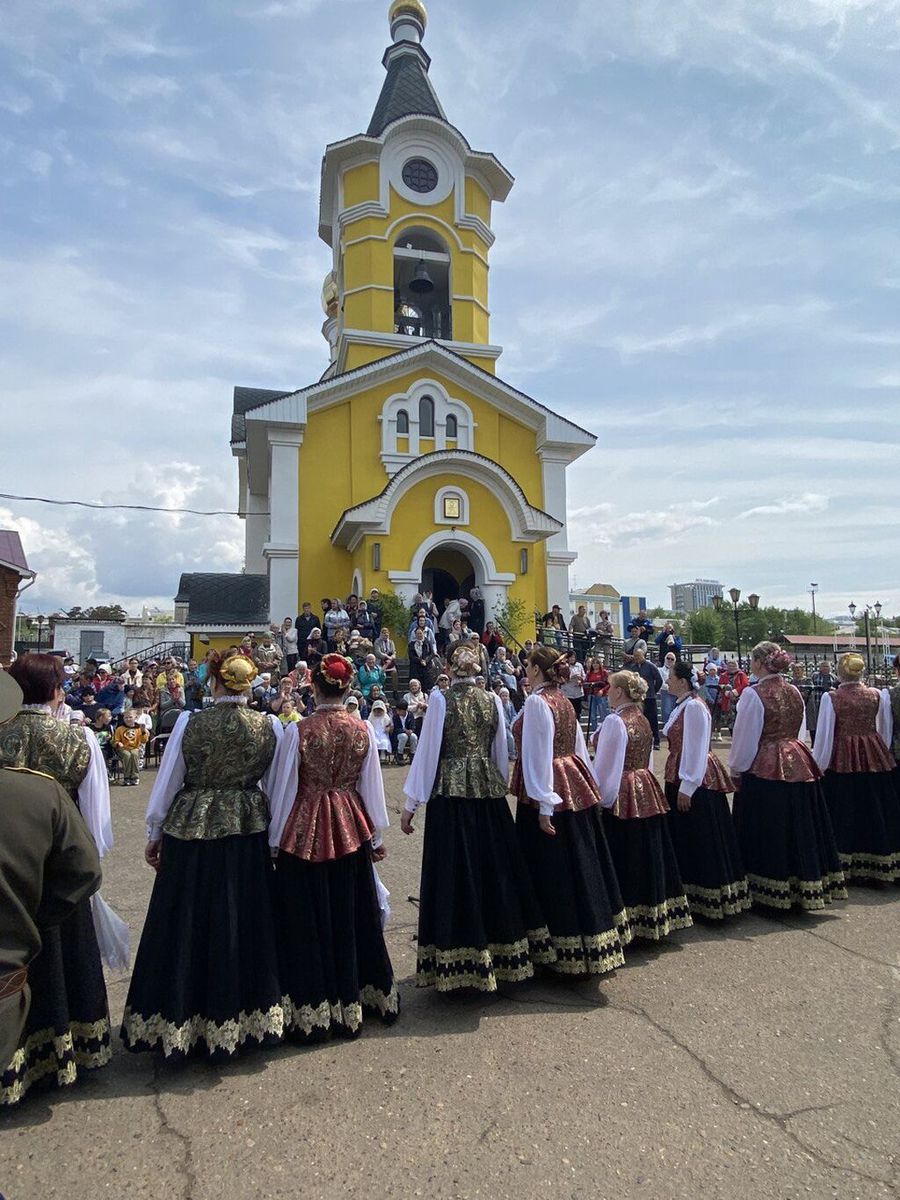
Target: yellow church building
[[410, 463]]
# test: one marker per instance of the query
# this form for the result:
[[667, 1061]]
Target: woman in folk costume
[[852, 748], [635, 820], [700, 823], [327, 832], [560, 827], [480, 922], [67, 1029], [780, 815], [205, 979]]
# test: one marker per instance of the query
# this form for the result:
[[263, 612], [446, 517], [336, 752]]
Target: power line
[[194, 512]]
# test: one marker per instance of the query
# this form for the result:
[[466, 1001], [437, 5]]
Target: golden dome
[[414, 8]]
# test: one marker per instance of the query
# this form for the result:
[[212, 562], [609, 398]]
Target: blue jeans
[[597, 712], [667, 705]]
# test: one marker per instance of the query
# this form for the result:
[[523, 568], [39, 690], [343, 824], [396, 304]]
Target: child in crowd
[[403, 732], [352, 706], [103, 731], [89, 706], [382, 724], [128, 739], [288, 714]]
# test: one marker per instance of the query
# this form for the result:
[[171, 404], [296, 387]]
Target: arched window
[[426, 417], [452, 428], [403, 423], [422, 285]]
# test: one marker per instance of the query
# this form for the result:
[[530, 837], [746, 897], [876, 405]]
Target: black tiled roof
[[245, 399], [407, 91], [237, 600]]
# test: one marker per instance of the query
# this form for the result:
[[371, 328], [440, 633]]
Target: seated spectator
[[268, 656], [128, 739], [169, 667], [103, 732], [525, 652], [288, 714], [264, 692], [423, 624], [548, 633], [381, 725], [443, 682], [416, 703], [341, 643], [141, 714], [111, 693], [171, 696], [491, 639], [455, 634], [355, 648], [88, 706], [132, 675], [509, 715], [352, 706], [403, 732], [369, 674], [502, 670], [386, 654], [315, 648]]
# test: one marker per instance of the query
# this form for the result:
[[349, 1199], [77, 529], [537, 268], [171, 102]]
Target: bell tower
[[406, 209]]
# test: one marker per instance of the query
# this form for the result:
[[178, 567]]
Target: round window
[[420, 175]]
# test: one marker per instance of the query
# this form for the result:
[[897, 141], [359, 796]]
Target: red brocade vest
[[857, 745], [572, 778], [329, 820], [781, 756], [640, 793], [715, 779]]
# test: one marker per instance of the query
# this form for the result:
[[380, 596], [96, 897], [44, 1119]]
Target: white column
[[559, 557], [282, 551], [256, 534]]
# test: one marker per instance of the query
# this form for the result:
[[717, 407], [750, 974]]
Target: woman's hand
[[684, 802], [546, 824], [379, 853], [152, 853], [406, 822]]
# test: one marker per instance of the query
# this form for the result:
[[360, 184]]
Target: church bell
[[421, 283]]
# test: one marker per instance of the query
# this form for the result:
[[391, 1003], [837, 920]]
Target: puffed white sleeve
[[93, 797], [824, 743], [609, 759], [500, 746], [371, 789], [283, 791], [748, 726], [420, 779], [168, 781], [695, 747], [268, 781], [884, 722], [537, 754], [581, 746]]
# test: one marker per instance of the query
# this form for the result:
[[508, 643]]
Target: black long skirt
[[648, 874], [480, 922], [67, 1028], [708, 854], [865, 814], [205, 979], [577, 888], [787, 844], [334, 964]]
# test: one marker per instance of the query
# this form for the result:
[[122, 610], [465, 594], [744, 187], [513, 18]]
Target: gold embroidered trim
[[468, 966], [307, 1018], [871, 866], [656, 921], [155, 1032], [810, 894], [587, 954], [729, 900], [86, 1045]]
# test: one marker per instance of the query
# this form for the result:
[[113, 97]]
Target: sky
[[700, 262]]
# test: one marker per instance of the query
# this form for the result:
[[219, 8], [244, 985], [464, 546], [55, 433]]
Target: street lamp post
[[40, 624], [868, 608], [752, 600], [813, 588]]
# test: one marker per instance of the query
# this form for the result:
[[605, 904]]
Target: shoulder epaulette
[[29, 771]]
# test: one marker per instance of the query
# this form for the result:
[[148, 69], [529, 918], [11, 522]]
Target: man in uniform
[[48, 864]]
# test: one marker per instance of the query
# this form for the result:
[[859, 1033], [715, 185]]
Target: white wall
[[119, 640]]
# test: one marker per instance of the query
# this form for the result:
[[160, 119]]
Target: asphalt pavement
[[756, 1058]]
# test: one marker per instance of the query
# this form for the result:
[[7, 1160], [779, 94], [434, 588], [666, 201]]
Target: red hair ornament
[[337, 670]]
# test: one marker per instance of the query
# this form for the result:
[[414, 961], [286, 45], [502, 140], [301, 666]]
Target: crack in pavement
[[165, 1126], [878, 962], [780, 1120]]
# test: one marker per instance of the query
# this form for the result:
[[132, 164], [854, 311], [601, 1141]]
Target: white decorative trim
[[275, 550], [285, 437], [456, 493], [444, 406], [360, 212], [561, 558], [486, 573], [356, 584], [527, 523], [400, 341]]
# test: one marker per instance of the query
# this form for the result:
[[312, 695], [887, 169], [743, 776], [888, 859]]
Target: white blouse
[[538, 731], [609, 758], [172, 771], [93, 797], [696, 734], [370, 786], [424, 767], [824, 745]]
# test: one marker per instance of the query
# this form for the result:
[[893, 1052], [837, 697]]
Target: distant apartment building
[[688, 597]]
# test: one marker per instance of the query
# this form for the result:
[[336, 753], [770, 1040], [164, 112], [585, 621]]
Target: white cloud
[[807, 503]]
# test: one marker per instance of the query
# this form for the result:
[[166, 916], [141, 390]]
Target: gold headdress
[[238, 673]]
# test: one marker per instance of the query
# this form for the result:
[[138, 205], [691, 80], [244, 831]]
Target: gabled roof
[[244, 399], [239, 601], [426, 353], [601, 589], [407, 90], [11, 553]]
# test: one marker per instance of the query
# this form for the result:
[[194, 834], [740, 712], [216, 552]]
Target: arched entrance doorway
[[448, 573]]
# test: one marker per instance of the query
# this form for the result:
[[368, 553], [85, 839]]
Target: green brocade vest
[[226, 749], [42, 743], [465, 767]]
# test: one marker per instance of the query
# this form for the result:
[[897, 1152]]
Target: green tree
[[512, 614], [395, 616], [705, 627]]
